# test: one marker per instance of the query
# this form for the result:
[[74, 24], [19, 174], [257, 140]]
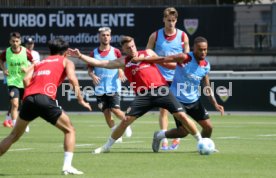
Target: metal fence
[[253, 36]]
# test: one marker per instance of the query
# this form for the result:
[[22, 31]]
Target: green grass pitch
[[247, 146]]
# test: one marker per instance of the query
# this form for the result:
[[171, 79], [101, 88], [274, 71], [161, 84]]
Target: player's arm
[[151, 41], [122, 75], [2, 64], [110, 64], [156, 59], [210, 95], [95, 78], [186, 44], [71, 75], [28, 75]]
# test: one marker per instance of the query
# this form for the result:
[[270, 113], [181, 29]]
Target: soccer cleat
[[119, 140], [165, 146], [175, 144], [102, 149], [128, 132], [71, 170], [8, 123], [155, 142]]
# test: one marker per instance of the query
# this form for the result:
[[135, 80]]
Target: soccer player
[[41, 82], [191, 70], [17, 59], [30, 46], [7, 121], [168, 41], [149, 85], [107, 82]]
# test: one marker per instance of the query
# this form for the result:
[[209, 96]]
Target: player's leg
[[27, 114], [207, 128], [114, 103], [15, 134], [50, 111], [65, 125], [7, 121], [108, 118], [164, 123], [103, 106], [198, 112], [169, 102], [137, 108], [14, 101], [21, 93], [116, 134]]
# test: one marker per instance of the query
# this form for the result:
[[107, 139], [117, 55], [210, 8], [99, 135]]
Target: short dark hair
[[58, 46], [200, 39], [125, 39], [15, 34]]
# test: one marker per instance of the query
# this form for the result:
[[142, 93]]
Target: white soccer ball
[[206, 146]]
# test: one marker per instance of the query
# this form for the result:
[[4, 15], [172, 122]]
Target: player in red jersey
[[149, 85], [41, 82]]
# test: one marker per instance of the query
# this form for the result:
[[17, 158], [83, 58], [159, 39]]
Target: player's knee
[[207, 131], [126, 122], [14, 104], [181, 116]]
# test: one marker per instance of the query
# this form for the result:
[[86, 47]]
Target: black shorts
[[15, 92], [160, 97], [37, 105], [108, 101], [196, 110]]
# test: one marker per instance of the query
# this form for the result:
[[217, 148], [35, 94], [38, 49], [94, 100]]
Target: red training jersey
[[143, 75], [47, 76]]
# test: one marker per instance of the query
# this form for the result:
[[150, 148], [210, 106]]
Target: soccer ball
[[206, 146]]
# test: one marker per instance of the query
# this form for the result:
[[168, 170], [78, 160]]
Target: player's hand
[[96, 80], [6, 72], [122, 76], [220, 109], [85, 104], [74, 52]]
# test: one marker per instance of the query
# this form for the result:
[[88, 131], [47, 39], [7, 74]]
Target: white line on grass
[[21, 149], [83, 145], [229, 137], [267, 135]]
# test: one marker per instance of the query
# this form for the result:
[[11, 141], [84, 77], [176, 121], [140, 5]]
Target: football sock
[[14, 121], [197, 136], [161, 135], [68, 157], [110, 142]]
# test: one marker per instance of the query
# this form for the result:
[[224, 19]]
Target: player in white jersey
[[30, 45]]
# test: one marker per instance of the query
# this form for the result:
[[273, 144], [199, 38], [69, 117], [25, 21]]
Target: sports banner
[[79, 26]]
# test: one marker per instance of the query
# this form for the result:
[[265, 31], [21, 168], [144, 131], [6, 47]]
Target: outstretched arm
[[156, 59], [210, 95], [70, 71], [110, 64]]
